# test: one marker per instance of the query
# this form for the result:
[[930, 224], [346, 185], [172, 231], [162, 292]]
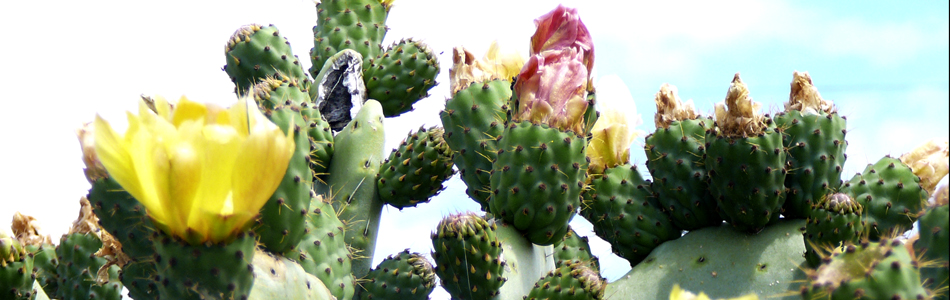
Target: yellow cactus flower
[[929, 162], [679, 293], [203, 172], [614, 130], [494, 65]]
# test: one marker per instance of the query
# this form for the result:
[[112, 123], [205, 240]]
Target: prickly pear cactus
[[254, 52], [868, 270], [415, 171], [932, 246], [570, 281], [891, 195], [401, 76], [16, 269], [575, 249], [834, 219], [348, 24], [468, 256], [323, 253], [404, 275]]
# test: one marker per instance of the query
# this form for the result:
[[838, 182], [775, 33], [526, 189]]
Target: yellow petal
[[151, 169], [265, 156], [113, 152], [219, 146], [188, 110]]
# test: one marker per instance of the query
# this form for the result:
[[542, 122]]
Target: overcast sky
[[883, 64]]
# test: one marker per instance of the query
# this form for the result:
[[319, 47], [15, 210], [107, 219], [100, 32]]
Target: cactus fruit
[[281, 223], [868, 270], [722, 262], [475, 115], [468, 256], [833, 220], [359, 25], [415, 171], [257, 52], [891, 195], [16, 269], [814, 137], [401, 76], [83, 274], [569, 281], [932, 247], [621, 206], [404, 275], [745, 161], [675, 159], [41, 248], [353, 171], [537, 179], [323, 252], [573, 249]]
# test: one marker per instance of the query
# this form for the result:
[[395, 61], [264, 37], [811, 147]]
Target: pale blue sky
[[885, 64]]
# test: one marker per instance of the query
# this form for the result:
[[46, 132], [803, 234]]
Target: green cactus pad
[[353, 170], [323, 253], [891, 195], [348, 24], [932, 249], [401, 276], [472, 119], [875, 270], [675, 159], [16, 269], [722, 262], [574, 281], [276, 277], [206, 271], [125, 219], [816, 154], [255, 52], [79, 267], [281, 223], [575, 248], [832, 220], [537, 179], [415, 171], [747, 177], [401, 76], [468, 256], [620, 205], [45, 264]]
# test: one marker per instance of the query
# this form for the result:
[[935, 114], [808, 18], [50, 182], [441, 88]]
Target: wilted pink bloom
[[563, 28], [552, 90]]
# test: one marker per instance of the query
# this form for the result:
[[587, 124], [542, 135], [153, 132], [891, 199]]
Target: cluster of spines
[[833, 220], [574, 281], [401, 76], [867, 270], [255, 52], [891, 195]]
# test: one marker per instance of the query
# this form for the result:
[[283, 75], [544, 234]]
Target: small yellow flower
[[203, 172], [466, 69], [679, 293], [614, 130]]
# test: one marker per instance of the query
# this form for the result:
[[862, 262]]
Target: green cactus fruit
[[722, 262], [323, 252], [575, 248], [255, 52], [415, 171], [537, 179], [125, 219], [276, 277], [339, 92], [472, 119], [40, 247], [868, 270], [16, 269], [401, 276], [348, 24], [281, 223], [833, 220], [468, 256], [321, 146], [675, 160], [79, 269], [620, 205], [353, 170], [747, 177], [401, 76], [570, 281], [932, 249], [814, 137], [591, 114], [745, 161], [816, 155], [206, 271], [891, 195]]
